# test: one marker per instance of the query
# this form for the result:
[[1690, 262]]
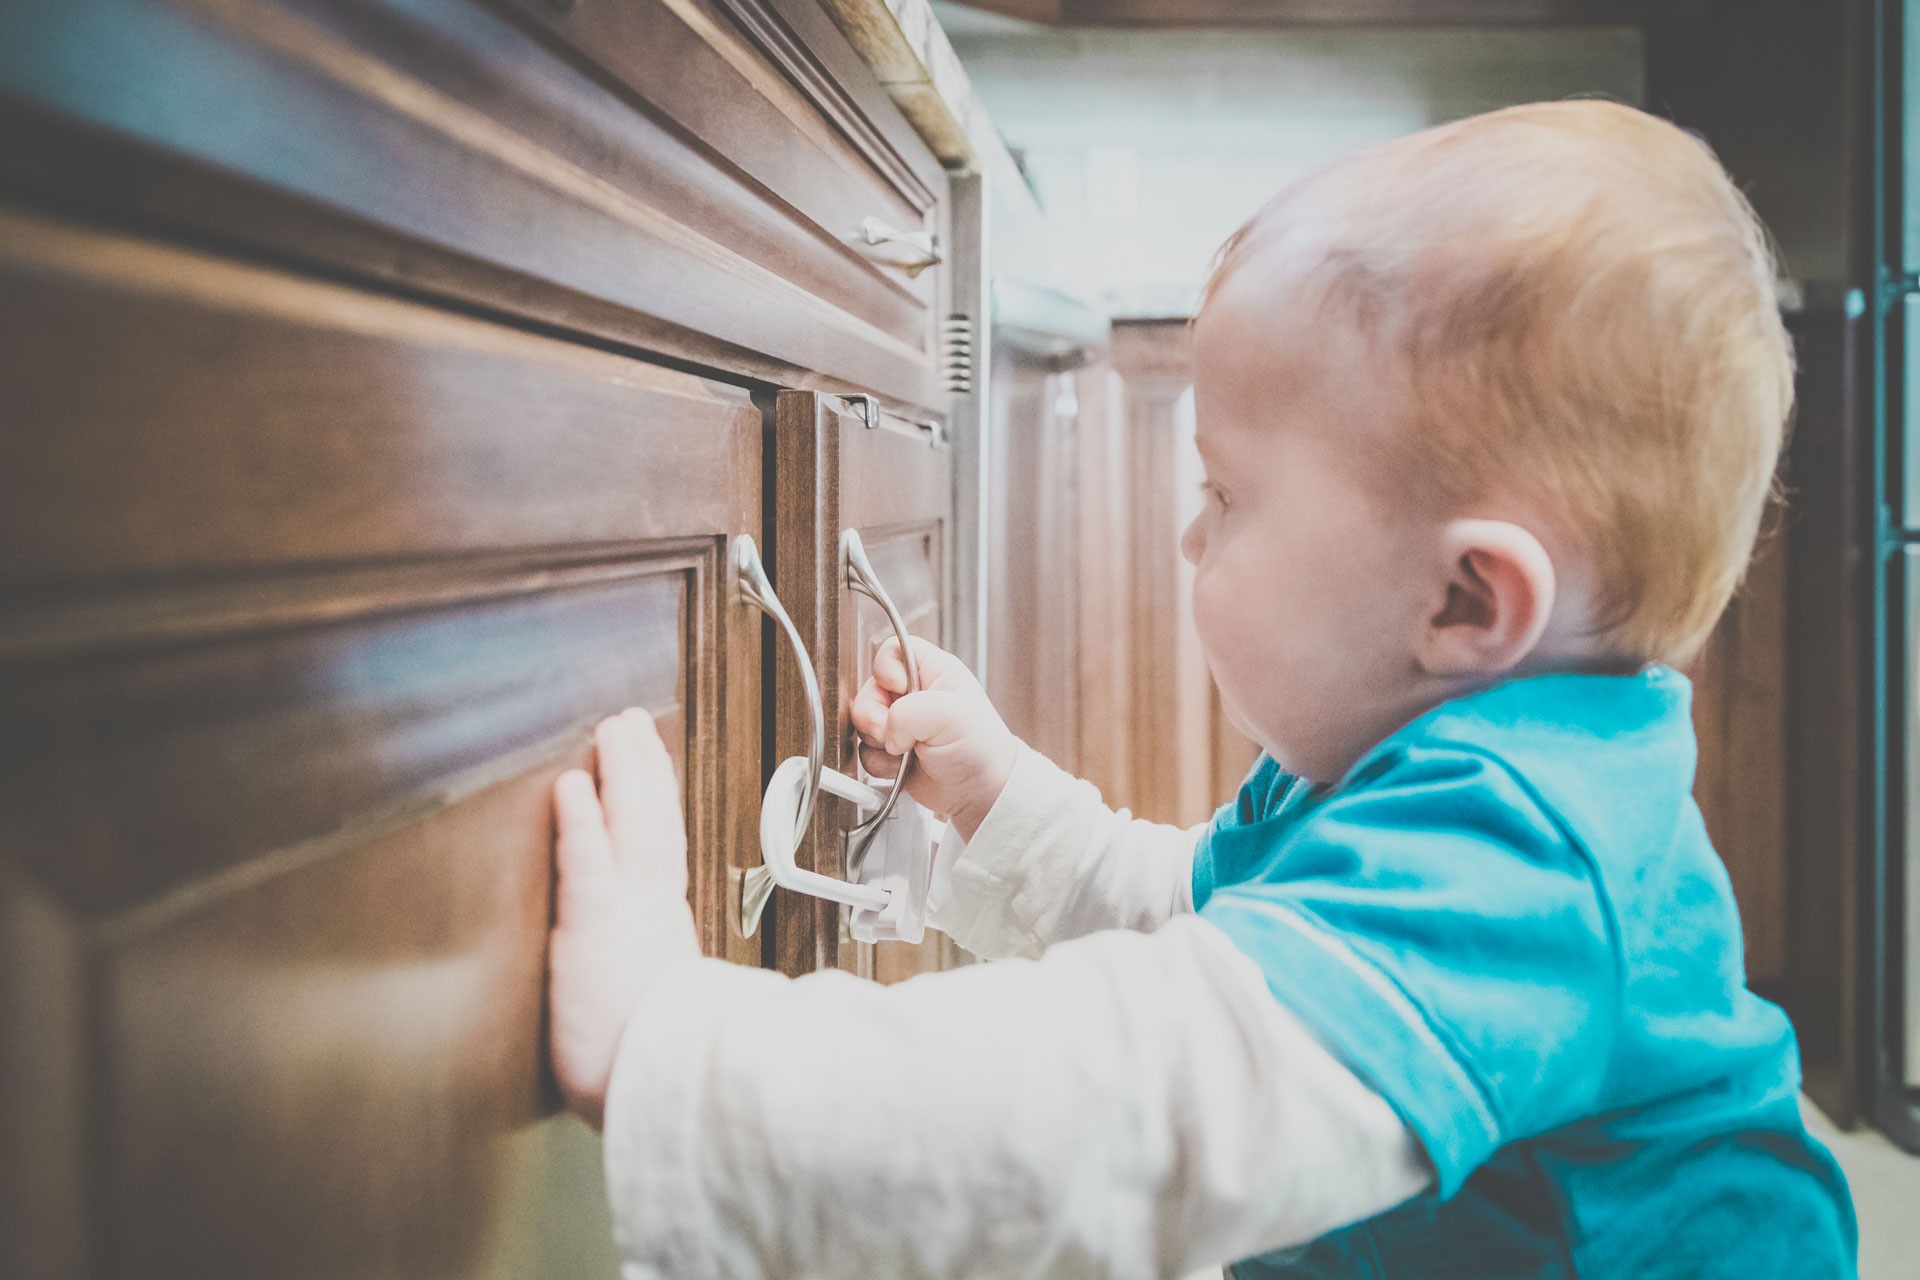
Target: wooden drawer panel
[[172, 412], [678, 193], [771, 87]]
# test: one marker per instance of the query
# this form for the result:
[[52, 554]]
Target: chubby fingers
[[640, 794], [877, 762], [934, 717], [890, 669], [582, 849], [869, 711]]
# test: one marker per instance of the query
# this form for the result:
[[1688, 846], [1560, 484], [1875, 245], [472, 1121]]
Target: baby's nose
[[1192, 542]]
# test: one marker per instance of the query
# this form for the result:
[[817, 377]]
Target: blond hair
[[1584, 310]]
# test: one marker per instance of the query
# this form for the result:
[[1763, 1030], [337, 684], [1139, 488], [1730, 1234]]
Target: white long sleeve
[[1128, 1105], [1051, 862]]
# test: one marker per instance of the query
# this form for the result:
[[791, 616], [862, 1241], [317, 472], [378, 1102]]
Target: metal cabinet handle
[[924, 243], [756, 885], [861, 578], [777, 840]]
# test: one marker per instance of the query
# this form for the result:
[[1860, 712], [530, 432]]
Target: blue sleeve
[[1443, 936]]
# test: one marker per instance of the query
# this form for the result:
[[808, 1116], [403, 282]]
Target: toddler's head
[[1500, 397]]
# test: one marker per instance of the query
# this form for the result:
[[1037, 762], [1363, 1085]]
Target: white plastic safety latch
[[895, 876], [901, 858], [781, 815]]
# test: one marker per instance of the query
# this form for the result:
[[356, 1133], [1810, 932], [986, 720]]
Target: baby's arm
[[1126, 1105], [1044, 858]]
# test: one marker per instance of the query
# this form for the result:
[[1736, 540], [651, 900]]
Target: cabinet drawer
[[660, 175], [771, 89]]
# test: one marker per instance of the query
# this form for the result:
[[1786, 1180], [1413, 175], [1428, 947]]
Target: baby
[[1489, 416]]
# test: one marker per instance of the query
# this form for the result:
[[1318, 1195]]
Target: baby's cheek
[[1222, 624]]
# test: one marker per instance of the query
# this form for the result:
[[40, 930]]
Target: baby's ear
[[1497, 593]]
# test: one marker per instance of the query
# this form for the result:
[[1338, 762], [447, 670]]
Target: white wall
[[1146, 149]]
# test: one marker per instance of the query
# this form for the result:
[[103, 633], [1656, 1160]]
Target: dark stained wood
[[128, 774], [1826, 777], [692, 202], [800, 37], [338, 1071], [306, 595], [335, 507], [894, 485], [1740, 720], [1341, 13], [1782, 92], [804, 534], [172, 412]]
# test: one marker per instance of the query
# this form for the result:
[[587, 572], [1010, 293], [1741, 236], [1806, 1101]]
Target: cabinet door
[[847, 465], [306, 595]]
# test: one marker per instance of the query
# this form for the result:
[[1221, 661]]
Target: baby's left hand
[[620, 912]]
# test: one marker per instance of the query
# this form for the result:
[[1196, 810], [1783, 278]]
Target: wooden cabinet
[[385, 385], [847, 466], [310, 594], [683, 179]]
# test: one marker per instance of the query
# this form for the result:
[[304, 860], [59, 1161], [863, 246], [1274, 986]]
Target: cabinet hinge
[[956, 353]]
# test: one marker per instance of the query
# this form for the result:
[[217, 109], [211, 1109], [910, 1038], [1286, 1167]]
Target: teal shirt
[[1507, 919]]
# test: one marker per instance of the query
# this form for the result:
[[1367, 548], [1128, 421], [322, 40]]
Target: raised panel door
[[306, 595]]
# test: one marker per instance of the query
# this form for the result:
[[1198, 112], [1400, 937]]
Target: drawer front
[[306, 596], [657, 174], [771, 87], [891, 483]]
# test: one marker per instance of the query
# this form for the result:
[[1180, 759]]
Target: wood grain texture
[[130, 774], [308, 595], [1186, 760], [1035, 518], [804, 532], [445, 149], [1105, 650], [339, 1071], [1152, 362], [903, 42], [1739, 717], [1827, 772], [172, 412], [1343, 13]]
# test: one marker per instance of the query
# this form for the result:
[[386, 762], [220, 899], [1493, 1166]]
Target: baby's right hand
[[963, 751]]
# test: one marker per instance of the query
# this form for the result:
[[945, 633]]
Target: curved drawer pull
[[925, 245], [788, 805], [787, 793], [756, 885], [861, 578]]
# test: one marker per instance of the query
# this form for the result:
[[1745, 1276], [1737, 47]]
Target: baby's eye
[[1210, 492]]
